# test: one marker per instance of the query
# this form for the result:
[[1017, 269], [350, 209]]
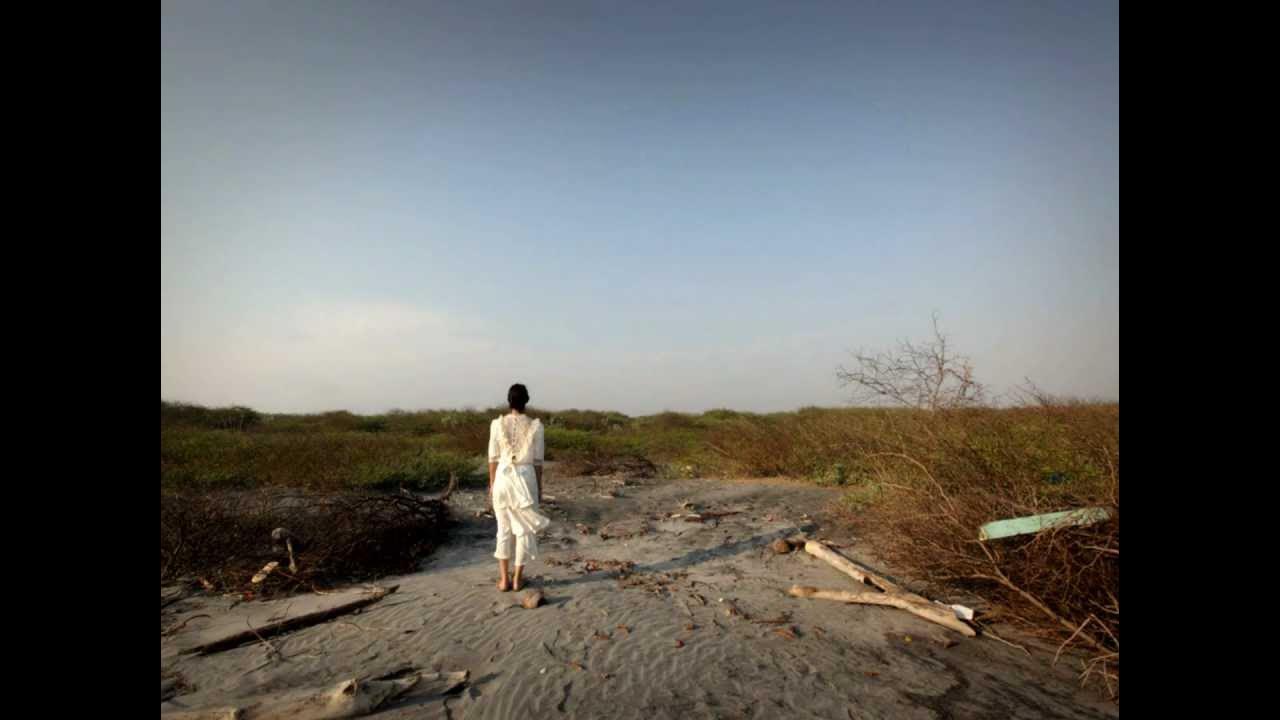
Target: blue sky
[[636, 206]]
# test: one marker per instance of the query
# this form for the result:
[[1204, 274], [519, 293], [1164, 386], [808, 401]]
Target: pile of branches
[[319, 539]]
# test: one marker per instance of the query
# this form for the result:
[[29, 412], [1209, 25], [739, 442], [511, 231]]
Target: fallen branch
[[932, 612], [847, 567], [911, 602], [289, 624], [271, 649], [986, 632]]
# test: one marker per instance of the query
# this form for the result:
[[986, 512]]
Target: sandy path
[[646, 646]]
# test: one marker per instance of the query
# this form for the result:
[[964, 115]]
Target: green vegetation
[[1053, 451]]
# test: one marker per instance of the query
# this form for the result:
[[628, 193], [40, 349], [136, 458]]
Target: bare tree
[[927, 375]]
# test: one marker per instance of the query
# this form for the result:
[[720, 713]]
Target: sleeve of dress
[[493, 442], [539, 446]]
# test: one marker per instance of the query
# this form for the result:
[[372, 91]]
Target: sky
[[631, 206]]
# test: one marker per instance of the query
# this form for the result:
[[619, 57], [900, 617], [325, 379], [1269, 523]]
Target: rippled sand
[[676, 636]]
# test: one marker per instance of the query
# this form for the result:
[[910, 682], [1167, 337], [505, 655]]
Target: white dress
[[516, 444]]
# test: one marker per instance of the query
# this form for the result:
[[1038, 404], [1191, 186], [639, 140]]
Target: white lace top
[[516, 439]]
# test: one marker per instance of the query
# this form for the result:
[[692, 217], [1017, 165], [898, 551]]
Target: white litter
[[961, 611]]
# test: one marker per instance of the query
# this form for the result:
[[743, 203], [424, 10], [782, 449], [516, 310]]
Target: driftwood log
[[940, 614], [885, 593], [289, 624], [846, 566]]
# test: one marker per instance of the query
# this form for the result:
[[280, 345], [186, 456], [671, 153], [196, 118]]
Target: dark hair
[[518, 397]]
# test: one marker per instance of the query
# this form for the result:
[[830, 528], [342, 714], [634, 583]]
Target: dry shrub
[[942, 476], [225, 537], [807, 443]]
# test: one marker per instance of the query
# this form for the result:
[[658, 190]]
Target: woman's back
[[516, 439]]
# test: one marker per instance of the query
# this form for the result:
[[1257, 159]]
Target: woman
[[515, 486]]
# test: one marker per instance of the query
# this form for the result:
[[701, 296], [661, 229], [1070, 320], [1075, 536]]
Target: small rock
[[781, 546], [531, 599]]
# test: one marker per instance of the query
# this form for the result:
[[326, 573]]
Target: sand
[[676, 636]]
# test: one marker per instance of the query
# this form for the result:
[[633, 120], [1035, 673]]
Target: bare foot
[[502, 584], [517, 583]]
